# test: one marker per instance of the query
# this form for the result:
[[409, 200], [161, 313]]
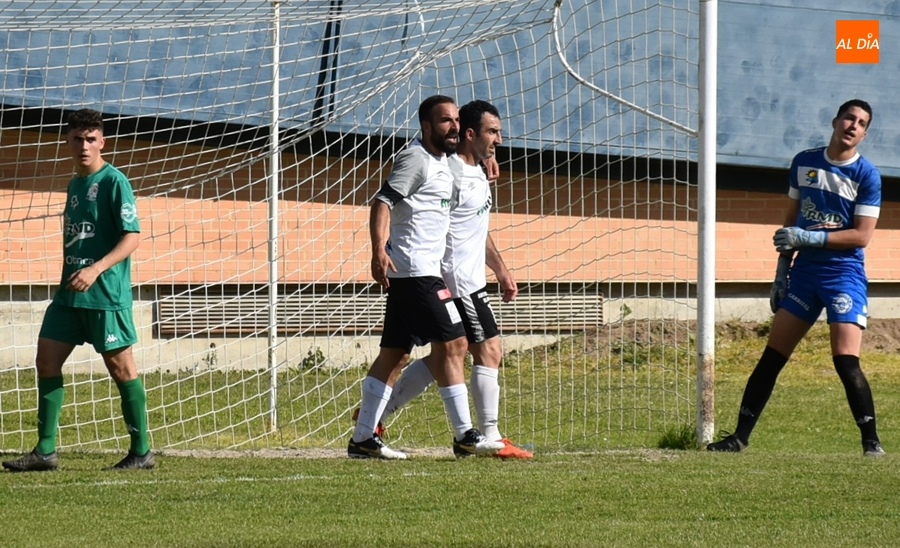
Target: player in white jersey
[[469, 249], [413, 208], [835, 200]]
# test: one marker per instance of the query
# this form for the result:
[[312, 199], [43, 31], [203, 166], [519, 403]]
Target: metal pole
[[273, 192], [706, 217], [325, 87]]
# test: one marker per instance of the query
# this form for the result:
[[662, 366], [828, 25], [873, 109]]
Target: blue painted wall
[[779, 85]]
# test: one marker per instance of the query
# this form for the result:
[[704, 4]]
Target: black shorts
[[477, 315], [419, 311]]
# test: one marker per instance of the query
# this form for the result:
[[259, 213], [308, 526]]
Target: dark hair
[[471, 113], [856, 103], [428, 104], [85, 119]]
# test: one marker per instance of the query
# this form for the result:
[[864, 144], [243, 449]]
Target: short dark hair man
[[835, 200], [93, 302], [470, 249], [413, 209]]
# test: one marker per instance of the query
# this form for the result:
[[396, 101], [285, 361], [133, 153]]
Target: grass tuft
[[679, 436]]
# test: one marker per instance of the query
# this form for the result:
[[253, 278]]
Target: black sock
[[759, 388], [859, 395]]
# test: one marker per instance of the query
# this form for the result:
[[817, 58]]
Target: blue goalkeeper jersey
[[831, 195]]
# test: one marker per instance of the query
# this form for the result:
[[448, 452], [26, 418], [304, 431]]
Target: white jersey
[[418, 191], [464, 259]]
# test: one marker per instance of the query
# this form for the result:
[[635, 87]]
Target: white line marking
[[240, 479]]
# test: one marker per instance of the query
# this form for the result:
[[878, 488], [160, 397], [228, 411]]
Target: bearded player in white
[[413, 208], [469, 249]]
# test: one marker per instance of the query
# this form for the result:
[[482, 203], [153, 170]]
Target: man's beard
[[443, 145]]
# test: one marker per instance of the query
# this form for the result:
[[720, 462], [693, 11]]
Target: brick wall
[[195, 230]]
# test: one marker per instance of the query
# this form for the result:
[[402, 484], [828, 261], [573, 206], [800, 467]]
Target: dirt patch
[[640, 332], [882, 335]]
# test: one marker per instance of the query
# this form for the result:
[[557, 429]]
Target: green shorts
[[104, 329]]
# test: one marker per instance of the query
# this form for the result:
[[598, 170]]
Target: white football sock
[[486, 393], [375, 395], [456, 404], [413, 381]]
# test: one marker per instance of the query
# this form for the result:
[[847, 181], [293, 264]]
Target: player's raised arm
[[491, 168]]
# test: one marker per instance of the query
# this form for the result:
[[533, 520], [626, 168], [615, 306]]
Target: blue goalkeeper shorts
[[841, 289]]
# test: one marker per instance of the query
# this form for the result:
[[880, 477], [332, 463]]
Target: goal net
[[255, 134]]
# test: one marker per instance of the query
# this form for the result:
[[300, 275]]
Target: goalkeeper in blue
[[835, 199]]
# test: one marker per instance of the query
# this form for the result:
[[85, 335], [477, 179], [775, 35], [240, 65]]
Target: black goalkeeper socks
[[759, 388], [859, 395]]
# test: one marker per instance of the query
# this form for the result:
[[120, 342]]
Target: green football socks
[[50, 402], [134, 411]]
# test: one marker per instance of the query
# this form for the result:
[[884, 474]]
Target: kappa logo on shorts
[[842, 303], [111, 338]]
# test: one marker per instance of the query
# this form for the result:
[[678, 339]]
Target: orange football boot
[[510, 451]]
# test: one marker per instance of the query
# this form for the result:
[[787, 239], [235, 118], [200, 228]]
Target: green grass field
[[803, 482]]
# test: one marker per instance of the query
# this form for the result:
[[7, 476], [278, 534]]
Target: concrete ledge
[[22, 310]]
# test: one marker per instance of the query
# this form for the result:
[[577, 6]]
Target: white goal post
[[255, 133]]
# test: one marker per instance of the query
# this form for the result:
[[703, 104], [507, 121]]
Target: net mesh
[[595, 210]]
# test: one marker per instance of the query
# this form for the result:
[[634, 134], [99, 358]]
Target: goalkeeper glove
[[792, 237], [779, 286]]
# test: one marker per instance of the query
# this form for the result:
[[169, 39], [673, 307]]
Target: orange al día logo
[[856, 41]]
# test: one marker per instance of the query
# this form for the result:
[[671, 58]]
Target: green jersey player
[[93, 302]]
